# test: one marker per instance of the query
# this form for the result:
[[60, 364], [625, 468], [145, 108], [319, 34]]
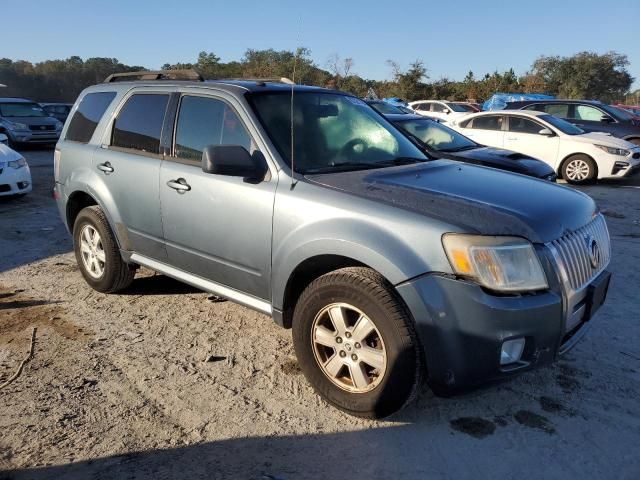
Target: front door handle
[[105, 167], [180, 185]]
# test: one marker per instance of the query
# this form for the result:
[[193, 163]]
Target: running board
[[206, 285]]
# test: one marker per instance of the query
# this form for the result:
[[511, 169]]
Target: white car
[[15, 176], [446, 112], [577, 156]]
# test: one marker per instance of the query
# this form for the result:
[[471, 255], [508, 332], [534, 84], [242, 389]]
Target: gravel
[[163, 382]]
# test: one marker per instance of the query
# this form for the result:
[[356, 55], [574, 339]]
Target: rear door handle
[[180, 185], [105, 167]]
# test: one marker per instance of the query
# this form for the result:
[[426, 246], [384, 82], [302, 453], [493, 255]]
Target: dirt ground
[[118, 386]]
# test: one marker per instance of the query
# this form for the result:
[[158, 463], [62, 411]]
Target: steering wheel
[[349, 148]]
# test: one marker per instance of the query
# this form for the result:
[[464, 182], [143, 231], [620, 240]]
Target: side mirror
[[546, 132], [447, 111], [606, 119], [233, 161]]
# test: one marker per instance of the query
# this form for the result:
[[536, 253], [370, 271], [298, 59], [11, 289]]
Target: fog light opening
[[511, 351]]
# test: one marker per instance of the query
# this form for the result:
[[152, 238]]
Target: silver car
[[307, 205], [25, 122]]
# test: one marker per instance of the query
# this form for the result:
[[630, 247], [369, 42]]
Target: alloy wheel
[[348, 348], [578, 170], [93, 255]]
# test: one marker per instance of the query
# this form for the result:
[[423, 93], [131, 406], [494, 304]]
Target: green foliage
[[584, 75]]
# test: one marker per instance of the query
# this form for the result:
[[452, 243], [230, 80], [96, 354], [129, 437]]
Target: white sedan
[[577, 156], [15, 176], [444, 111]]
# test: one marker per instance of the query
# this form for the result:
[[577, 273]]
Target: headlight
[[21, 162], [17, 126], [613, 150], [498, 263]]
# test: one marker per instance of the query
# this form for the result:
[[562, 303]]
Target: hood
[[602, 138], [504, 160], [474, 199], [33, 120], [7, 154]]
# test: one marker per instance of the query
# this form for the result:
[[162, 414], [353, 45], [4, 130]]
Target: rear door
[[523, 136], [486, 130], [220, 228], [129, 162]]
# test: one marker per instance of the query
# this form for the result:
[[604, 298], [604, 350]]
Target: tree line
[[585, 75]]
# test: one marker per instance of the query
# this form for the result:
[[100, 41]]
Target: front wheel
[[579, 169], [356, 343], [97, 252]]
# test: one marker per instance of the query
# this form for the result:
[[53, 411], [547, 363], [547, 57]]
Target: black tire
[[370, 293], [586, 162], [117, 275]]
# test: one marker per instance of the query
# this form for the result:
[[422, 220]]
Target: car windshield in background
[[437, 136], [331, 132], [562, 125], [385, 108], [22, 110], [456, 108], [617, 113]]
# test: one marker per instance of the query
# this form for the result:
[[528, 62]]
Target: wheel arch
[[575, 154]]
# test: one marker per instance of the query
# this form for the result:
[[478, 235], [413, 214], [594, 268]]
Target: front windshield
[[385, 108], [562, 125], [331, 132], [617, 113], [22, 110], [456, 107], [437, 136]]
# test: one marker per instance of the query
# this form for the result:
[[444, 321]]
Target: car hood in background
[[33, 120], [602, 138], [8, 154], [473, 198], [503, 159]]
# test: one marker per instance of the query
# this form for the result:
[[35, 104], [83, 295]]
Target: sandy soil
[[119, 388]]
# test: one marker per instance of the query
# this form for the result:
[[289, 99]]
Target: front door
[[523, 136], [216, 227]]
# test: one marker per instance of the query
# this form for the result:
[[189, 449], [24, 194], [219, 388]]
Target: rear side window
[[523, 125], [586, 112], [207, 121], [489, 122], [557, 110], [89, 112], [139, 123]]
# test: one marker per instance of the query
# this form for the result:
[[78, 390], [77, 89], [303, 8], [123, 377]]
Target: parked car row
[[24, 121]]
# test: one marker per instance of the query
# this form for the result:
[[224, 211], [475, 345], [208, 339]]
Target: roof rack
[[155, 75], [259, 81]]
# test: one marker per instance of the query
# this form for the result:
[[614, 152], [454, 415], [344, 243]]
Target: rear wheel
[[356, 343], [97, 252], [579, 169]]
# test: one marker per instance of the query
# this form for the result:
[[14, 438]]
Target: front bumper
[[15, 181], [462, 328]]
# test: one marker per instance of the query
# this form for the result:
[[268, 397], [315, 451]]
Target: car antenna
[[293, 84]]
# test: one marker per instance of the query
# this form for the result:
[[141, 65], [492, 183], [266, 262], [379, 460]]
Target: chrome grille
[[574, 250]]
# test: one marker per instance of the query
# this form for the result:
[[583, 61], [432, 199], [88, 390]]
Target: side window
[[586, 112], [557, 110], [89, 112], [488, 122], [422, 107], [437, 107], [206, 121], [139, 123], [523, 125]]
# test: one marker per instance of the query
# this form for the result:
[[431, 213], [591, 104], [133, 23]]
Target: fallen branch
[[25, 361]]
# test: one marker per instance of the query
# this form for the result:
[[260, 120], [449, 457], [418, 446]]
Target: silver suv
[[307, 205]]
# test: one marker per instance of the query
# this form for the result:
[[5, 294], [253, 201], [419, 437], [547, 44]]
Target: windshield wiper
[[459, 149], [401, 161], [342, 166]]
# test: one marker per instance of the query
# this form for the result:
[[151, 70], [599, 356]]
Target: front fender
[[394, 255]]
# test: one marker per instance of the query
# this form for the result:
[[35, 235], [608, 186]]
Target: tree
[[585, 75], [409, 84]]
